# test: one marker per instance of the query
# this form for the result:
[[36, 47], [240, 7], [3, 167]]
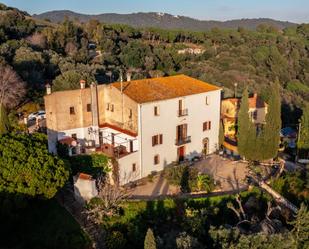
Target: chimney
[[48, 89], [82, 84], [129, 76], [121, 83]]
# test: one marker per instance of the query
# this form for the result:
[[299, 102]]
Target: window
[[130, 113], [207, 100], [156, 159], [72, 110], [207, 126], [134, 167], [107, 106], [88, 107], [157, 139], [253, 115], [74, 136], [112, 108], [156, 111]]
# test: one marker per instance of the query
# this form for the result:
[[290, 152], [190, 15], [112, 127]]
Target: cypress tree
[[271, 133], [303, 140], [150, 241], [243, 125]]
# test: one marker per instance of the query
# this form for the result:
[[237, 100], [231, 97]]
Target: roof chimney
[[121, 82], [48, 89], [82, 84], [129, 76]]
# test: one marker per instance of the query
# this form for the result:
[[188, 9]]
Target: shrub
[[115, 240]]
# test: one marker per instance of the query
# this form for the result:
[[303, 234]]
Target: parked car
[[32, 116], [35, 115], [41, 115]]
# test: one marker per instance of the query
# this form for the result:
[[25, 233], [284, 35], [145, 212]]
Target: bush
[[188, 178], [115, 240], [94, 164]]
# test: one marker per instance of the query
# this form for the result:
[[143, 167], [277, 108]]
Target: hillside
[[162, 20]]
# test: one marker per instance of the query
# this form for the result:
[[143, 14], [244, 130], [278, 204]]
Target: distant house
[[144, 124], [195, 51], [229, 114], [230, 108]]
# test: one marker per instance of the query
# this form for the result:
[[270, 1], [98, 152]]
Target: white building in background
[[144, 124]]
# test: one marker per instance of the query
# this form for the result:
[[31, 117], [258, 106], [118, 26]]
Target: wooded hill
[[161, 20]]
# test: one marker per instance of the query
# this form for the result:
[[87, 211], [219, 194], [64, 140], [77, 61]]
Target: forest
[[34, 53], [41, 52]]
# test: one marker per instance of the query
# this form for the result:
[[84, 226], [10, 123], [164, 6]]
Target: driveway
[[229, 176]]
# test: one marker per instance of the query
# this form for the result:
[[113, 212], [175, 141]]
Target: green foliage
[[246, 130], [297, 87], [115, 240], [4, 121], [301, 227], [70, 80], [303, 140], [293, 186], [94, 164], [150, 240], [27, 168], [188, 178]]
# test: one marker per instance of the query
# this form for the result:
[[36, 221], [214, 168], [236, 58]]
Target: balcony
[[183, 140], [183, 112]]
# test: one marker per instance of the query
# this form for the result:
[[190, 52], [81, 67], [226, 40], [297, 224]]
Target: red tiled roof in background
[[254, 102]]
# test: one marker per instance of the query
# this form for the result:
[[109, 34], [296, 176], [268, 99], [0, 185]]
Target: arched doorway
[[206, 146]]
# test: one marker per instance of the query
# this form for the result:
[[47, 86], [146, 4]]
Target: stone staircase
[[95, 233]]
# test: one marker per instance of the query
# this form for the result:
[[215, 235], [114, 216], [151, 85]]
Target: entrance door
[[205, 146], [181, 153]]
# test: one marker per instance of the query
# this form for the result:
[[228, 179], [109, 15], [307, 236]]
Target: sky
[[285, 10]]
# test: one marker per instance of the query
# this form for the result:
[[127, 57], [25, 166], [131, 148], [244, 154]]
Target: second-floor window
[[207, 126], [134, 167], [253, 115], [72, 110], [157, 139], [156, 111], [88, 107], [207, 100], [130, 113]]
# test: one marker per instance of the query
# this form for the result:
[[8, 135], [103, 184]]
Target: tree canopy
[[27, 168]]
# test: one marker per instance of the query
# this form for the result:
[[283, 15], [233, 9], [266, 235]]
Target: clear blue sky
[[286, 10]]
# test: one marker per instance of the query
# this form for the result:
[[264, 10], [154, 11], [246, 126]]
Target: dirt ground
[[229, 175]]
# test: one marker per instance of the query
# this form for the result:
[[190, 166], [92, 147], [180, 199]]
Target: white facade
[[201, 108]]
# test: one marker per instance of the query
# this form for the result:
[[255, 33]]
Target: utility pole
[[235, 89]]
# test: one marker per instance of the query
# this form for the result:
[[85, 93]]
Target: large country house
[[144, 124]]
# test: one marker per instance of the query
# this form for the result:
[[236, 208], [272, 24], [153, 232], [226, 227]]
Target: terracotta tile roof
[[254, 102], [84, 176], [156, 89], [68, 141]]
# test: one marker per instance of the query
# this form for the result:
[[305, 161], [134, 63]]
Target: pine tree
[[271, 132], [150, 241], [4, 121], [303, 140], [301, 227]]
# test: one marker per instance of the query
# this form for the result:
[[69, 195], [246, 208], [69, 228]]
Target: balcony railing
[[183, 112], [183, 140]]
